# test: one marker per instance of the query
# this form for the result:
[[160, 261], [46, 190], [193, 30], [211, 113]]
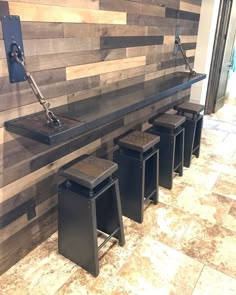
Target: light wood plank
[[143, 50], [6, 136], [121, 75], [48, 13], [190, 7], [3, 68], [188, 39], [190, 52], [103, 67], [21, 184], [90, 4], [98, 30], [184, 39], [169, 39]]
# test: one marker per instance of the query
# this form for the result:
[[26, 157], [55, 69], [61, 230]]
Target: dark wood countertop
[[85, 115]]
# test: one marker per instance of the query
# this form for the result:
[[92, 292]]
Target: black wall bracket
[[176, 47], [11, 28]]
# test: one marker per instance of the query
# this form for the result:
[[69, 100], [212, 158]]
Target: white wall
[[205, 42]]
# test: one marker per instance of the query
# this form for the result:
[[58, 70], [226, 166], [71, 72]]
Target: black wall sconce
[[18, 72]]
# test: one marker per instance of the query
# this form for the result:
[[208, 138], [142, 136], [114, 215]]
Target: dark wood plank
[[181, 14], [132, 7], [162, 3], [4, 8], [189, 46], [42, 30], [147, 20], [175, 62], [122, 42]]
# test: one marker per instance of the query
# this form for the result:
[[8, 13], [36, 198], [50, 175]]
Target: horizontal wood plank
[[90, 4], [103, 67], [54, 46], [132, 7], [123, 42], [41, 13], [190, 7], [97, 30]]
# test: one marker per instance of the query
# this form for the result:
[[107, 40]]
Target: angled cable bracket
[[178, 46], [16, 64]]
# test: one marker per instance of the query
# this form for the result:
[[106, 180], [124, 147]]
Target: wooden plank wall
[[77, 49]]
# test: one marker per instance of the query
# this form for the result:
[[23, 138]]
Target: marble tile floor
[[186, 244]]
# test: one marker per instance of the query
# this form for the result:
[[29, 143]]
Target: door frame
[[218, 55]]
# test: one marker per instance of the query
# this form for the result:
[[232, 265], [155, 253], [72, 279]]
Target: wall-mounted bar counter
[[83, 116]]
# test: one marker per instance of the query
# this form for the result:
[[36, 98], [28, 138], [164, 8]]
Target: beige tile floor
[[186, 244]]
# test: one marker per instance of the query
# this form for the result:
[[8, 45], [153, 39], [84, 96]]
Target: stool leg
[[190, 128], [109, 217], [181, 150], [197, 141], [121, 235], [156, 197], [77, 230], [151, 185], [131, 180], [167, 151]]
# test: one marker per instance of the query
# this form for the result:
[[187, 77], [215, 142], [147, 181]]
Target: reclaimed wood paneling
[[77, 51]]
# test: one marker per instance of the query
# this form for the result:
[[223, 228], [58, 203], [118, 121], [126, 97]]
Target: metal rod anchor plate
[[11, 28]]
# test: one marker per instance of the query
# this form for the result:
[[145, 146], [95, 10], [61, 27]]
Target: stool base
[[171, 154], [138, 177], [192, 141], [79, 218]]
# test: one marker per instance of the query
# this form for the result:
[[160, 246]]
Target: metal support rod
[[178, 42], [18, 56]]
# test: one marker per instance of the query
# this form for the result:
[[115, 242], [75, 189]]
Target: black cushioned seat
[[90, 171], [189, 107], [169, 121], [138, 141]]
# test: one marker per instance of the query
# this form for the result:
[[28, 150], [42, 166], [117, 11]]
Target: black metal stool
[[138, 161], [168, 127], [88, 201], [193, 129]]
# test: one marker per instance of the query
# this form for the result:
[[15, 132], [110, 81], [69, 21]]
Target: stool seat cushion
[[138, 141], [169, 121], [189, 107], [90, 171]]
